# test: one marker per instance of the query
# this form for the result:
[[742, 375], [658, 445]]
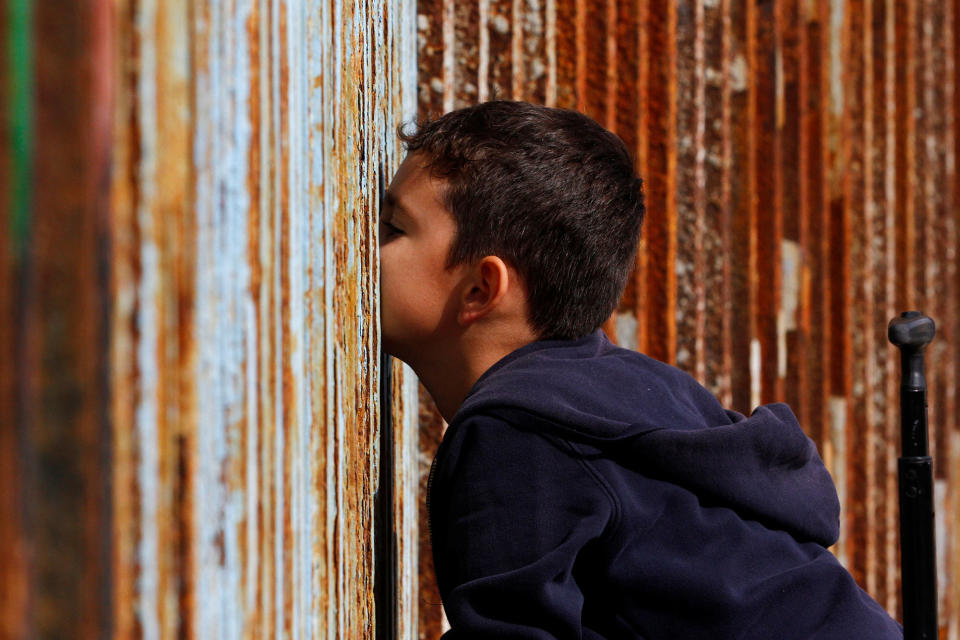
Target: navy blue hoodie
[[587, 491]]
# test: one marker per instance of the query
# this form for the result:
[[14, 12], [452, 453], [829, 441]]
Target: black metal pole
[[911, 332]]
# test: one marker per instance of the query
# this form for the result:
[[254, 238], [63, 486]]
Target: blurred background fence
[[198, 437], [800, 167]]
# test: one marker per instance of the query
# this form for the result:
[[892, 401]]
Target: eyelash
[[392, 229]]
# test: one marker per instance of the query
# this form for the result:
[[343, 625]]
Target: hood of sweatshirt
[[661, 422]]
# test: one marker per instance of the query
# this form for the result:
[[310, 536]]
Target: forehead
[[414, 189]]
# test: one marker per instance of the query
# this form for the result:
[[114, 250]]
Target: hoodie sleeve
[[511, 510]]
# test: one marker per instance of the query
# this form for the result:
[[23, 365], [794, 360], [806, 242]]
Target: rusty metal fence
[[190, 374], [800, 166], [197, 435]]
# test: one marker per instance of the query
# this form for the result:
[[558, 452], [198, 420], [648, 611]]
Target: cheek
[[412, 294], [394, 267], [404, 285]]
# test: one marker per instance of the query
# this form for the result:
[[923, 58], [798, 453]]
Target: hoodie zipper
[[433, 468]]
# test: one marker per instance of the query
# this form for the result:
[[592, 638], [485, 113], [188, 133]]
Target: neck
[[450, 377], [448, 388]]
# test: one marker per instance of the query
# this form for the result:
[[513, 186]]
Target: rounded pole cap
[[911, 329]]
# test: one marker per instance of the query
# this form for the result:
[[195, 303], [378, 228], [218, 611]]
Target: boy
[[582, 490]]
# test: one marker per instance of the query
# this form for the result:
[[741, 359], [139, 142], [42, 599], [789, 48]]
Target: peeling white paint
[[626, 323], [148, 347], [738, 73], [790, 270], [835, 68], [756, 363], [941, 503], [835, 458]]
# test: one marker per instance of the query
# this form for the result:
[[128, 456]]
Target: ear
[[486, 287]]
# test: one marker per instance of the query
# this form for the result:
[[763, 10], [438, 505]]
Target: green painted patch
[[20, 119]]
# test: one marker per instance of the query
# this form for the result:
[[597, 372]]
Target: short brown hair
[[548, 190]]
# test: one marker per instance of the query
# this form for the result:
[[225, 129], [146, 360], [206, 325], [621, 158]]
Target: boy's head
[[548, 192]]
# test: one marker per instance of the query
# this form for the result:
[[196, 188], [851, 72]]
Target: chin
[[389, 345], [398, 347]]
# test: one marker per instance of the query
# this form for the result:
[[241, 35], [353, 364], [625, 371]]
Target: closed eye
[[391, 229]]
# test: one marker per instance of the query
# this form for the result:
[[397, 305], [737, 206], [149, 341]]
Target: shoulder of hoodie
[[664, 371], [483, 435], [680, 385]]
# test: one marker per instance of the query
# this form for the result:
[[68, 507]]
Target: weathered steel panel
[[800, 166], [870, 365], [717, 324], [53, 575], [765, 62], [208, 351], [950, 458], [858, 297], [792, 327], [691, 185], [258, 135], [812, 306], [742, 255], [196, 407], [14, 613]]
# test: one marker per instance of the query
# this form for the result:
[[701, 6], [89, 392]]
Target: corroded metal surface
[[188, 376], [54, 575], [195, 381], [253, 138], [14, 579], [800, 167]]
